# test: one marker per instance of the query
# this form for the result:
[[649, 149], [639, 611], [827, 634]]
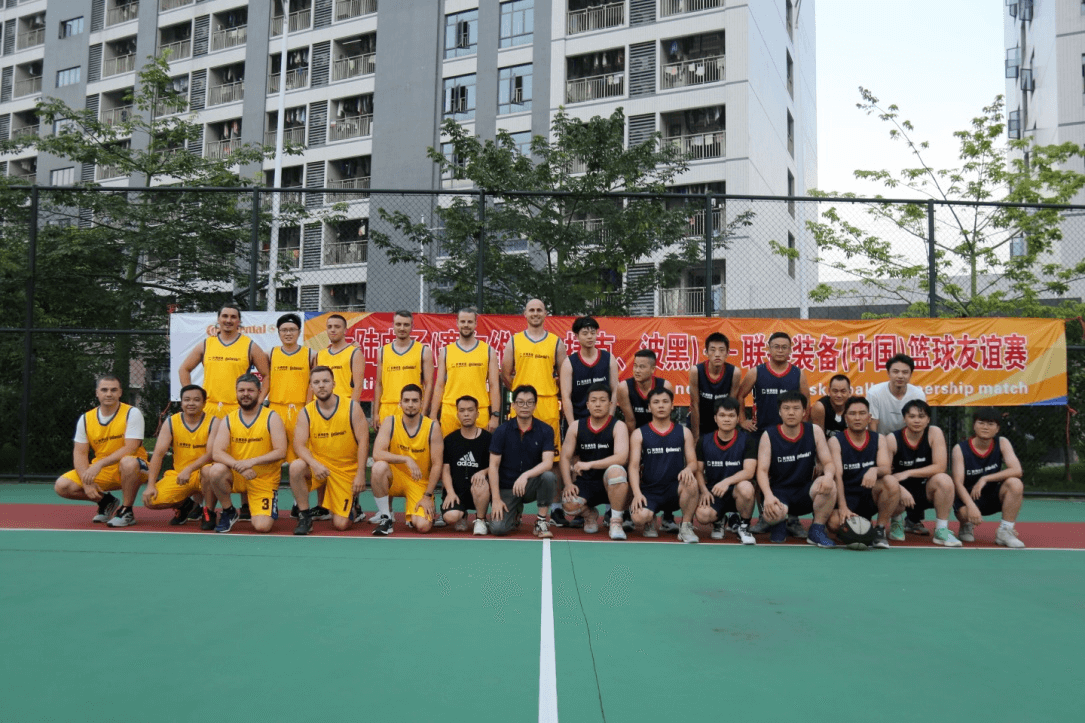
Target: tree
[[580, 240]]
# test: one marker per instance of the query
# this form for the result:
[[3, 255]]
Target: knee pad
[[616, 480]]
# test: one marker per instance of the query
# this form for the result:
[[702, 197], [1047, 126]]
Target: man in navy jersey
[[593, 458], [584, 369], [919, 466], [786, 457], [987, 476], [709, 382], [828, 412], [861, 461], [727, 462], [662, 468]]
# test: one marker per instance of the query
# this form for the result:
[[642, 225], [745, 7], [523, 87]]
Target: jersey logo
[[467, 460]]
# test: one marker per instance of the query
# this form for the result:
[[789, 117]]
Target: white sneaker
[[650, 529], [377, 518], [480, 528], [686, 533], [967, 532], [128, 518], [616, 531], [719, 527], [745, 536], [591, 522], [1007, 538]]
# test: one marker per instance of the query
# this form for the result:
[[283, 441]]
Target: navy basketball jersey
[[792, 465], [593, 445], [662, 457], [976, 465], [641, 413], [710, 392], [908, 457], [855, 460], [768, 386], [584, 375], [723, 459], [833, 421]]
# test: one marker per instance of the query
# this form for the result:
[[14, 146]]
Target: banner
[[966, 362]]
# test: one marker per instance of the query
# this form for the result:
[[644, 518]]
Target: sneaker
[[686, 533], [357, 515], [590, 521], [196, 513], [942, 536], [760, 527], [734, 522], [896, 528], [667, 523], [305, 523], [1007, 538], [795, 528], [107, 507], [125, 517], [778, 532], [320, 513], [542, 529], [880, 543], [744, 535], [719, 527], [627, 521], [275, 506], [209, 519], [967, 533], [577, 523], [616, 531], [916, 528], [480, 528], [650, 530], [245, 514], [295, 513], [227, 520], [385, 526], [817, 536], [182, 513], [558, 519], [439, 521]]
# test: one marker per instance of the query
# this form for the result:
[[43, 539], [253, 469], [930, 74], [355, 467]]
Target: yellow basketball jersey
[[189, 444], [398, 370], [466, 373], [289, 382], [416, 447], [534, 363], [107, 437], [331, 439], [253, 440], [222, 365], [339, 363]]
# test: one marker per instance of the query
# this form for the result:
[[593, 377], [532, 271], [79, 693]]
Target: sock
[[746, 521], [1004, 524], [382, 506], [616, 517], [941, 524]]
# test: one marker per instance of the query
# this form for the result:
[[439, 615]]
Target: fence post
[[481, 250], [28, 351], [708, 255], [254, 252], [932, 271]]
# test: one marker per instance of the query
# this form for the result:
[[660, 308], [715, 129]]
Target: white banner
[[187, 331]]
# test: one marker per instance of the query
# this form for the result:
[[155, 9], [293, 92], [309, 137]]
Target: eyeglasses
[[524, 403]]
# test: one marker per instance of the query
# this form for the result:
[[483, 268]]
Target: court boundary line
[[548, 674]]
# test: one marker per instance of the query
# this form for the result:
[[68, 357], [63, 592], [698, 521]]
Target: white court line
[[548, 674]]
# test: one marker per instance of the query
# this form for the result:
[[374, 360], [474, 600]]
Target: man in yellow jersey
[[400, 363], [248, 453], [224, 357], [113, 431], [408, 459], [188, 434], [288, 384], [533, 358], [466, 368], [331, 441], [344, 359]]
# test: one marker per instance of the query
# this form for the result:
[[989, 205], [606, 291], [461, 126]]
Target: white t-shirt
[[133, 430], [887, 409]]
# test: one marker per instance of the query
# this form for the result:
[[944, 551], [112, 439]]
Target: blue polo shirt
[[520, 451]]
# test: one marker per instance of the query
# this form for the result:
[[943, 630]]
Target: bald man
[[533, 357]]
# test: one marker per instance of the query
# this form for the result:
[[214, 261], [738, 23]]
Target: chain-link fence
[[91, 276]]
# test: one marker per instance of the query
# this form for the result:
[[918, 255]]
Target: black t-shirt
[[465, 457]]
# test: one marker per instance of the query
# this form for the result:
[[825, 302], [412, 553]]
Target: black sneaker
[[305, 523], [209, 519], [320, 513], [196, 513], [107, 507], [181, 512], [577, 523], [357, 514], [558, 519], [245, 514], [880, 543], [734, 522], [227, 520], [294, 512], [385, 528]]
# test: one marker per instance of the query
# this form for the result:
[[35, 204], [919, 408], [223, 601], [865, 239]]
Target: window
[[791, 256], [456, 164], [790, 76], [789, 11], [68, 28], [461, 34], [1013, 62], [517, 22], [514, 89], [69, 76], [790, 194], [790, 134], [63, 125], [459, 101], [522, 141], [1018, 247], [1013, 124], [62, 176]]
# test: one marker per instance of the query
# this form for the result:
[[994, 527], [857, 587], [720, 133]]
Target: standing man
[[533, 358], [769, 380], [465, 475], [727, 463], [861, 461], [331, 443], [288, 385], [189, 435], [634, 393], [402, 362], [344, 359], [407, 462], [113, 431], [828, 412], [521, 464], [248, 453], [987, 476], [466, 368], [583, 370], [224, 357], [709, 382]]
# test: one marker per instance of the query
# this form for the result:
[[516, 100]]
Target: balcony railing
[[113, 116], [298, 21], [285, 197], [121, 14], [597, 18], [30, 38], [118, 65], [178, 50], [103, 172], [289, 258], [164, 5], [677, 7], [229, 38], [161, 110], [694, 72], [28, 86], [595, 87], [697, 146], [296, 78], [354, 66], [339, 253], [696, 224], [226, 93], [358, 306], [222, 149], [360, 185], [690, 301], [25, 131], [30, 178], [352, 126], [291, 136], [345, 9], [593, 226]]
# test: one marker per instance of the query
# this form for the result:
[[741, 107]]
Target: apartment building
[[369, 82]]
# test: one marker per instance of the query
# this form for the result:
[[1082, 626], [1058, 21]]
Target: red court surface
[[1036, 535]]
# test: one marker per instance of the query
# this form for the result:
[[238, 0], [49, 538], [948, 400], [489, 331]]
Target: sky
[[940, 61]]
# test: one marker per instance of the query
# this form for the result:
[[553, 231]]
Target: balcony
[[353, 67], [300, 20], [599, 17], [296, 78], [359, 185], [694, 72], [679, 7], [346, 9], [341, 253], [121, 14], [699, 146], [595, 87], [352, 126], [103, 173], [291, 136], [289, 258], [116, 116], [229, 38], [689, 301], [222, 149], [27, 86], [696, 224], [118, 65], [178, 50], [226, 93], [285, 197], [30, 38], [25, 132], [164, 5]]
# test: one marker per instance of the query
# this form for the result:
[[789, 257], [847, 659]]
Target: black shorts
[[593, 491], [988, 503], [663, 499], [725, 504], [918, 487], [861, 502], [466, 502], [797, 499]]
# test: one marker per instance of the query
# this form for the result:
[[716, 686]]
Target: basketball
[[856, 532]]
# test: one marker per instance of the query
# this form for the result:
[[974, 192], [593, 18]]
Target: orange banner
[[969, 362]]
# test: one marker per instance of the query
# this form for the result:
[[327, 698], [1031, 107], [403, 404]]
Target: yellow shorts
[[450, 421], [261, 492], [337, 494], [220, 409], [289, 414], [548, 409], [413, 490], [171, 493], [109, 478]]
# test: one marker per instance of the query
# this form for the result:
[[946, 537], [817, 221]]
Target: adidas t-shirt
[[465, 457]]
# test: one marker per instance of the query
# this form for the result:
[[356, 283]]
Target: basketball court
[[153, 623]]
